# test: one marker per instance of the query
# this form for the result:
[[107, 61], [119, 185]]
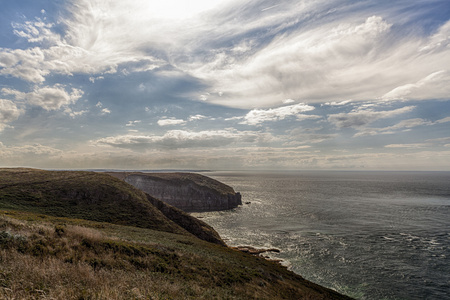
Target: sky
[[225, 84]]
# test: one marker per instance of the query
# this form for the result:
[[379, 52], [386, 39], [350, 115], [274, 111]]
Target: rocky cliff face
[[186, 191]]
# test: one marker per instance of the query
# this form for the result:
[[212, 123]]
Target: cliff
[[186, 191]]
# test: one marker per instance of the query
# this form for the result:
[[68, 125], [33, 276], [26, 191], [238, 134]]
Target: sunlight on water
[[370, 235]]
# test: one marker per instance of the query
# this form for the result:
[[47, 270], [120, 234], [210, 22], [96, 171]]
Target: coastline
[[94, 229]]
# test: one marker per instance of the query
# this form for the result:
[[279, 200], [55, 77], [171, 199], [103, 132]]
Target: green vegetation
[[94, 196], [50, 249]]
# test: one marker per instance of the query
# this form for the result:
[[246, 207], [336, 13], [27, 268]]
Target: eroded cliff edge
[[186, 191]]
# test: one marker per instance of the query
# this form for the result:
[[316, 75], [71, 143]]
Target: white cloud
[[311, 65], [93, 79], [344, 59], [288, 101], [133, 123], [409, 124], [197, 117], [334, 103], [171, 122], [25, 64], [27, 150], [74, 114], [439, 40], [49, 98], [105, 111], [359, 118], [9, 112], [440, 140], [402, 125], [36, 31], [175, 139], [444, 120], [258, 116], [435, 85], [408, 146], [34, 155], [92, 44]]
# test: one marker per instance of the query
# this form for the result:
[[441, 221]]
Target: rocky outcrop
[[186, 191]]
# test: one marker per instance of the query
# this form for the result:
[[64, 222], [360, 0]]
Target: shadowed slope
[[90, 196]]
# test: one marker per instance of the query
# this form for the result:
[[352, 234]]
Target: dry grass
[[56, 258], [28, 277], [71, 265]]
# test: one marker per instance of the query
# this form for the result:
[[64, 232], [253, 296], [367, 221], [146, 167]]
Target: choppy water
[[370, 235]]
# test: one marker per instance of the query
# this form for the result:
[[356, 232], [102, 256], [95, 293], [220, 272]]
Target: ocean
[[369, 235]]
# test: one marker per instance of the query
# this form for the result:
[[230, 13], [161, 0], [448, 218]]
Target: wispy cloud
[[258, 116], [344, 59], [8, 112], [409, 146], [47, 97], [404, 125], [171, 122], [435, 86], [175, 139], [359, 118]]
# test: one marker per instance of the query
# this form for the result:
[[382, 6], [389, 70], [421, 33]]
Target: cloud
[[342, 57], [444, 120], [36, 155], [26, 151], [435, 85], [36, 31], [175, 139], [288, 101], [9, 112], [409, 146], [311, 65], [360, 118], [440, 140], [47, 97], [334, 103], [197, 117], [306, 50], [133, 123], [258, 116], [25, 64], [171, 122], [74, 114], [105, 111], [402, 125], [439, 40], [91, 44]]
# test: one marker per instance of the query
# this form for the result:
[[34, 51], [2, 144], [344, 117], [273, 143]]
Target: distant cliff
[[186, 191]]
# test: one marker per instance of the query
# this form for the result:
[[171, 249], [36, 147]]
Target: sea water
[[369, 235]]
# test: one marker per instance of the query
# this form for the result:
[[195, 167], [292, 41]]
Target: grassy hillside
[[93, 196], [60, 238]]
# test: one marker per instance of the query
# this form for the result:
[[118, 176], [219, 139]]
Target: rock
[[255, 251], [187, 191]]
